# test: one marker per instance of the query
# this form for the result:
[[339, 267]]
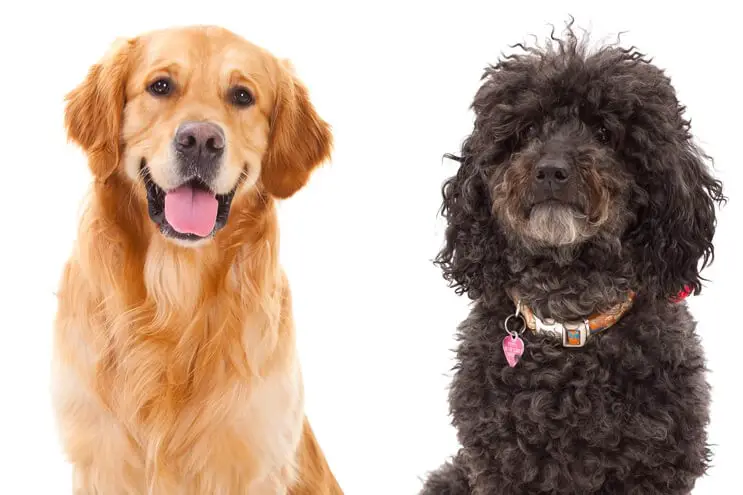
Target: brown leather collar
[[573, 334]]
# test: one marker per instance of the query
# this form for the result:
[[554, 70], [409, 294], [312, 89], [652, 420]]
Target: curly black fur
[[627, 413]]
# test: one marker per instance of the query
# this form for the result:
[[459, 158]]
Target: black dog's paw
[[449, 479]]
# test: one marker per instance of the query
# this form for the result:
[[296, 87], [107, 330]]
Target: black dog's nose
[[201, 142], [552, 174]]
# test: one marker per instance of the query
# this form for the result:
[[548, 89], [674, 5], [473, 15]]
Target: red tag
[[683, 294], [513, 348]]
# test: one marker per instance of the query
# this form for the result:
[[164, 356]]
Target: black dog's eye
[[241, 97], [161, 87], [530, 131], [603, 135]]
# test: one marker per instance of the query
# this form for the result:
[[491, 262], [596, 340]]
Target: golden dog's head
[[192, 117]]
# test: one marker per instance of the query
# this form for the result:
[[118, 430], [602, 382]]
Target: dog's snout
[[202, 142], [552, 179], [552, 172]]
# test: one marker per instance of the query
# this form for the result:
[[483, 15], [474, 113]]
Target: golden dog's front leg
[[90, 480], [103, 458], [314, 476], [82, 483], [309, 475], [275, 484]]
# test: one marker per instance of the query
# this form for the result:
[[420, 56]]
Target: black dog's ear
[[474, 247], [677, 224]]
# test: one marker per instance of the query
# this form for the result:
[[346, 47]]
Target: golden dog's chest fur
[[177, 380], [175, 368]]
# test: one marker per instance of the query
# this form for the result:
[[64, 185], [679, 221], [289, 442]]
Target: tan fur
[[175, 367]]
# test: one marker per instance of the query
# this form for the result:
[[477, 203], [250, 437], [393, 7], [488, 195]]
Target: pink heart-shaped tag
[[513, 348]]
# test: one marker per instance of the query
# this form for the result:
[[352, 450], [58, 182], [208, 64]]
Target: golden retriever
[[176, 370]]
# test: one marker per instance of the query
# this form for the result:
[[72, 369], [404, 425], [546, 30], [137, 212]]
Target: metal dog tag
[[513, 348]]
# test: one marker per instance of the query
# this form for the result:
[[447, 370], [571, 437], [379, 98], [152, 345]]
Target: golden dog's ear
[[300, 140], [93, 113]]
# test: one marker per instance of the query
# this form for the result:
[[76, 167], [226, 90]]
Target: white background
[[375, 318]]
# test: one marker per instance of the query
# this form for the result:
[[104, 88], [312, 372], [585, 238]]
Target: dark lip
[[156, 205], [552, 203]]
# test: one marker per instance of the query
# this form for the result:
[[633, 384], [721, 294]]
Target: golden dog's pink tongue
[[191, 211]]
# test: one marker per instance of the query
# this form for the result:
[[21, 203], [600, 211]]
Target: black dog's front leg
[[449, 479]]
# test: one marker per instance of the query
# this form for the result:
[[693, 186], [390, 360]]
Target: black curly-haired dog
[[579, 190]]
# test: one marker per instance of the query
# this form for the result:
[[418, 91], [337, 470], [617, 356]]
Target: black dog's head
[[576, 151]]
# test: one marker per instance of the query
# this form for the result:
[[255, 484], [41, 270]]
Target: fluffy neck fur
[[179, 324], [569, 283]]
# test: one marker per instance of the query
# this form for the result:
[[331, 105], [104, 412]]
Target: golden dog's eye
[[241, 97], [161, 87]]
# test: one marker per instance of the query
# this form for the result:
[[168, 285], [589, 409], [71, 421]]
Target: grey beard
[[557, 225]]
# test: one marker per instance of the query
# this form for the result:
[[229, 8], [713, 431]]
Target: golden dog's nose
[[200, 140]]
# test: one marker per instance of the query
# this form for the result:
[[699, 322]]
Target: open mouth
[[191, 211]]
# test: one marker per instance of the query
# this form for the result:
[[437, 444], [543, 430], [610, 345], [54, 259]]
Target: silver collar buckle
[[548, 325]]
